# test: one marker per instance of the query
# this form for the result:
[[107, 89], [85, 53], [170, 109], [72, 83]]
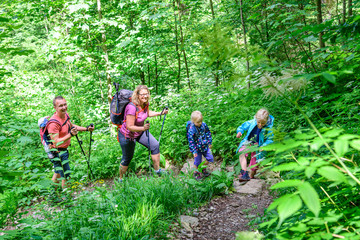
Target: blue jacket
[[266, 134], [199, 138]]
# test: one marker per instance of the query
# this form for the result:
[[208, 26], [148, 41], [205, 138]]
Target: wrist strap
[[71, 134]]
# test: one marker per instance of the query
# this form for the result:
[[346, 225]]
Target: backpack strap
[[51, 120], [146, 108]]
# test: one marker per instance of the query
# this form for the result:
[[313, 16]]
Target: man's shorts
[[59, 166]]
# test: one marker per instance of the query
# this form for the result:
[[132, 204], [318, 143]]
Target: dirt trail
[[226, 215]]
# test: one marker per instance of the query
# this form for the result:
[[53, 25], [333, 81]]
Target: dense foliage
[[300, 59]]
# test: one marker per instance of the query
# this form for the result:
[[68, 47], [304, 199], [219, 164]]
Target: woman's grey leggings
[[128, 146]]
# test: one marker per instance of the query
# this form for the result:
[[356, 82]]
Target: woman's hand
[[239, 134], [165, 111], [146, 126]]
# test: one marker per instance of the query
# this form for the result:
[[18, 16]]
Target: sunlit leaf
[[310, 197], [287, 167], [309, 171], [355, 144], [287, 183], [288, 208], [332, 174], [329, 77], [341, 147]]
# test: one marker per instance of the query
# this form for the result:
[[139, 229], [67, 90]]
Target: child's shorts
[[252, 159], [208, 155]]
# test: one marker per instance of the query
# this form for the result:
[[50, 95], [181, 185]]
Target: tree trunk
[[106, 56], [142, 76], [212, 9], [266, 23], [350, 12], [337, 10], [156, 77], [45, 23], [319, 21], [183, 47], [177, 49], [149, 75], [344, 12], [245, 42], [100, 83]]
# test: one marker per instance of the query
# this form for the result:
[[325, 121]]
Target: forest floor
[[220, 219]]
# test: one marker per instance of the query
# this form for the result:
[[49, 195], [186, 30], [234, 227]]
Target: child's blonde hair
[[196, 116], [262, 115]]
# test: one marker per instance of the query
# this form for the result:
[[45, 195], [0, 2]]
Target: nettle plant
[[318, 196]]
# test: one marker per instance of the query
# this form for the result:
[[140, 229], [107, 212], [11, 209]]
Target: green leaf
[[268, 223], [300, 227], [287, 183], [28, 164], [332, 174], [329, 77], [309, 171], [310, 39], [58, 168], [333, 133], [288, 208], [65, 162], [355, 144], [347, 137], [341, 147], [221, 185], [286, 167], [216, 173], [310, 197]]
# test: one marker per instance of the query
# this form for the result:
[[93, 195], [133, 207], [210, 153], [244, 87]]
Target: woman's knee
[[155, 148]]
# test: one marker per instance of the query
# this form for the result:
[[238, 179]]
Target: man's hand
[[239, 134], [91, 128], [73, 131]]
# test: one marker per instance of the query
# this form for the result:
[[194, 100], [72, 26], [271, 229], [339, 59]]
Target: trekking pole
[[162, 126], [148, 135], [82, 150], [91, 140], [117, 96]]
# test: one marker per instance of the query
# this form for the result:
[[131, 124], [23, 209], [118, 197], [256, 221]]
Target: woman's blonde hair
[[196, 116], [262, 114], [135, 96]]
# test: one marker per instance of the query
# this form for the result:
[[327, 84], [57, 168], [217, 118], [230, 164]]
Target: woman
[[133, 129]]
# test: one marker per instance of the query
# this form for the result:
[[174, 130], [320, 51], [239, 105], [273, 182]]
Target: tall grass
[[138, 208]]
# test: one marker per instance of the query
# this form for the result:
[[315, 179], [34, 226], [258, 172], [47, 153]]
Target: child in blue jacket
[[258, 133], [200, 140]]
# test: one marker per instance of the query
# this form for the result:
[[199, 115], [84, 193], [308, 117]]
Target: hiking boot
[[205, 173], [197, 175], [118, 180], [252, 174], [244, 176], [160, 172]]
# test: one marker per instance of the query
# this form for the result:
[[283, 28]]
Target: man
[[61, 130]]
